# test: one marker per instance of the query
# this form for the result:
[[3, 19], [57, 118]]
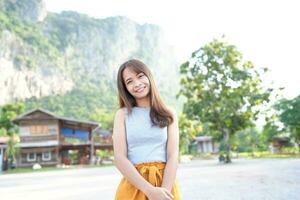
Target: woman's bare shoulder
[[172, 111], [119, 121], [120, 113]]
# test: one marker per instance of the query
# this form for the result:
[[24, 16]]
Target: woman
[[145, 138]]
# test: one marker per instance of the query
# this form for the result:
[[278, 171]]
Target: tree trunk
[[227, 146], [5, 164]]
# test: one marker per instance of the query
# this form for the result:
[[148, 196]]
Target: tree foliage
[[270, 130], [8, 128], [7, 114], [248, 140], [290, 116], [188, 130], [85, 103], [222, 90]]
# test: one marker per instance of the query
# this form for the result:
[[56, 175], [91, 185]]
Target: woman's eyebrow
[[135, 75], [128, 79]]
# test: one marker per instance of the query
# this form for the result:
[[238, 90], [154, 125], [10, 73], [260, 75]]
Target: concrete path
[[255, 179]]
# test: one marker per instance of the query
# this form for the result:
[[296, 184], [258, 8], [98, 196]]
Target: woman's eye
[[129, 82], [141, 75]]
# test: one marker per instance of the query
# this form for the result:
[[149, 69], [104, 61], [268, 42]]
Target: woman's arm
[[126, 167], [172, 154], [120, 154]]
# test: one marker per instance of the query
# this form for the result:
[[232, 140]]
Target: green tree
[[8, 128], [104, 116], [248, 140], [188, 130], [290, 116], [270, 130], [222, 90]]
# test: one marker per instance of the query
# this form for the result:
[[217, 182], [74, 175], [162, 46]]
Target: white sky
[[267, 32]]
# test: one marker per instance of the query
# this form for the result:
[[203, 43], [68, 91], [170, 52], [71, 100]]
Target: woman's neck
[[145, 102]]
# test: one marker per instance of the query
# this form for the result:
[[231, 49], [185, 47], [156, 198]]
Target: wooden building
[[205, 144], [103, 139], [48, 139], [278, 143]]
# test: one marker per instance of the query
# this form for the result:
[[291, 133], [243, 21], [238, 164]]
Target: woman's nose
[[137, 84]]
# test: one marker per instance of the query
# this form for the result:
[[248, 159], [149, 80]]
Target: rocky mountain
[[48, 56]]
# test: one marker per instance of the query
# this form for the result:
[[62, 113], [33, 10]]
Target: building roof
[[5, 139], [281, 138], [102, 132], [54, 116], [203, 138]]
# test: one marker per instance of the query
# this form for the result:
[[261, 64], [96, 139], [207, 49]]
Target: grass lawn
[[268, 155], [256, 154], [30, 170]]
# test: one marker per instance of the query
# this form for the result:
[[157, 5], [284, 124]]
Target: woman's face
[[137, 84]]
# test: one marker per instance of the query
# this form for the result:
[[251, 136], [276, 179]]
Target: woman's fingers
[[167, 197], [169, 194]]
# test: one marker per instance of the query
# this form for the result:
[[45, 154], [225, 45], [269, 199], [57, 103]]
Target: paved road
[[265, 179]]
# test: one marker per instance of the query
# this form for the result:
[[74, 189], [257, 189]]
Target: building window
[[24, 131], [52, 129], [39, 130], [46, 156], [31, 157]]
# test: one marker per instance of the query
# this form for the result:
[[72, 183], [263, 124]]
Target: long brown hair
[[160, 115]]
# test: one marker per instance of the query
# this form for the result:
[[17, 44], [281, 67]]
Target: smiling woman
[[145, 138], [143, 83]]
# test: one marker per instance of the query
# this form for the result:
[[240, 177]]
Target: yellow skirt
[[153, 172]]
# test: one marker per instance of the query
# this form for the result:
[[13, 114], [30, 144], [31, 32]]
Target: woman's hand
[[159, 193]]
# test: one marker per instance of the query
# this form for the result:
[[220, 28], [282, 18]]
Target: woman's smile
[[140, 90]]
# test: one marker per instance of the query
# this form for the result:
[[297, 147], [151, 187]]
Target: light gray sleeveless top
[[145, 142]]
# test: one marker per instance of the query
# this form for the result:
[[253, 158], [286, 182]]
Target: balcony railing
[[37, 138]]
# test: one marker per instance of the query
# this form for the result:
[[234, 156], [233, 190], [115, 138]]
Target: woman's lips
[[140, 90]]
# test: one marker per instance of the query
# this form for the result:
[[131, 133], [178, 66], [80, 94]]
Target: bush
[[285, 153]]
